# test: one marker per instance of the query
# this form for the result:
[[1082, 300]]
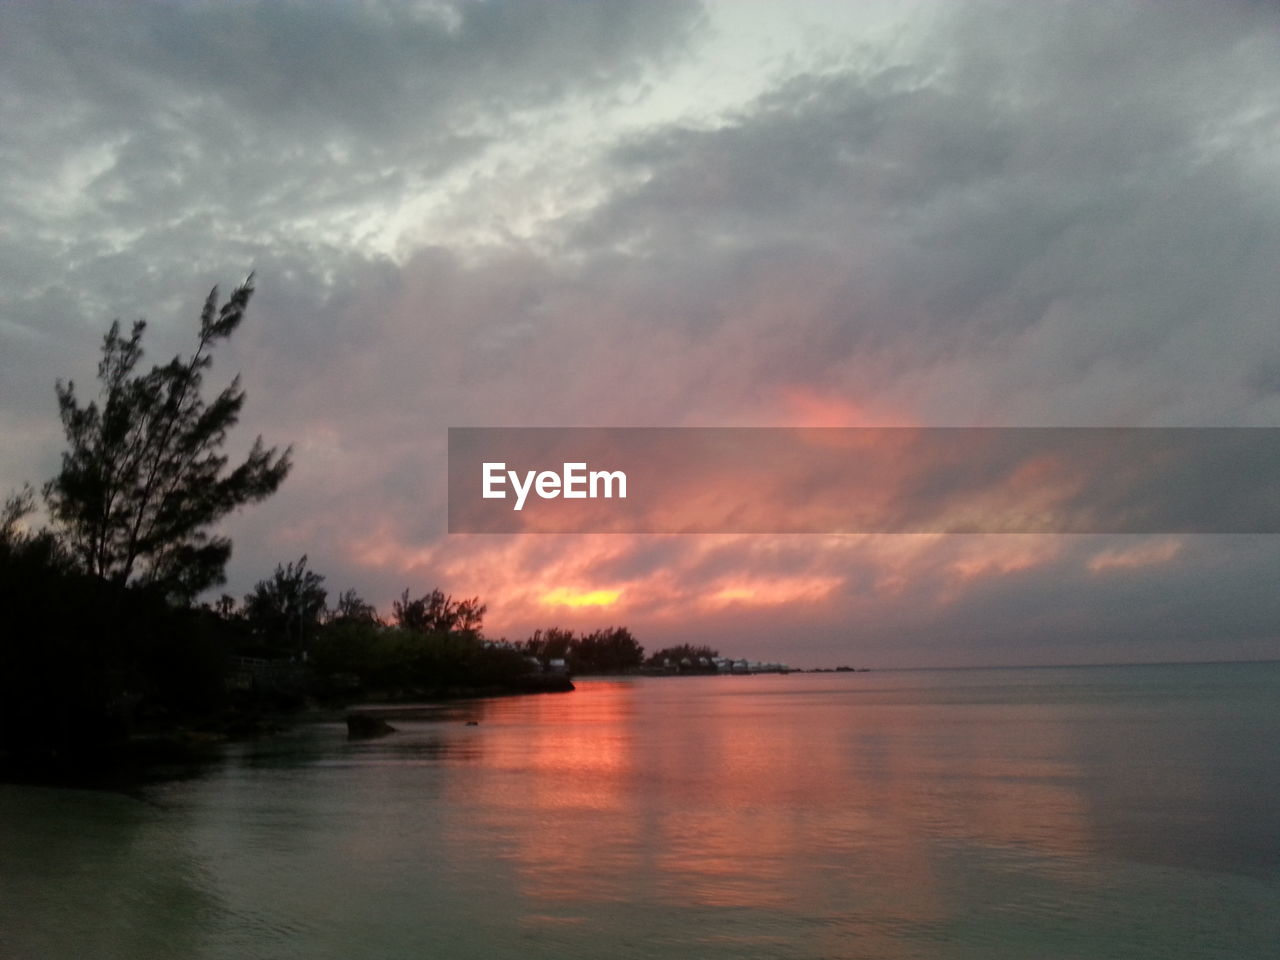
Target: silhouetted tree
[[16, 506], [437, 613], [353, 608], [611, 650], [144, 479], [286, 608], [72, 680], [550, 644], [225, 606], [39, 549]]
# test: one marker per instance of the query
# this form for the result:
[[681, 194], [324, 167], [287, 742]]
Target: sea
[[1072, 812]]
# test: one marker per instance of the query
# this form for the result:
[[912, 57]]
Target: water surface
[[1123, 812]]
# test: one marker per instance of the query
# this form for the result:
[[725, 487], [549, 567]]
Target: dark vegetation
[[611, 650], [106, 645], [684, 658]]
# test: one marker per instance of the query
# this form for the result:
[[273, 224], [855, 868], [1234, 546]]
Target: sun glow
[[564, 597]]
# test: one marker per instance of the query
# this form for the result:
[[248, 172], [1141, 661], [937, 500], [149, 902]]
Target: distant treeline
[[104, 635], [85, 662], [612, 650]]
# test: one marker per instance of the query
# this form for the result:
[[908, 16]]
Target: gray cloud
[[146, 138], [1039, 188], [1013, 214]]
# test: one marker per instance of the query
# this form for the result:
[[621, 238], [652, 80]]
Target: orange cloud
[[996, 556], [772, 591], [1143, 555]]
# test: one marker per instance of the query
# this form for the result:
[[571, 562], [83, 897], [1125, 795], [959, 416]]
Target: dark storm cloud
[[145, 141], [203, 130], [1059, 189], [374, 77]]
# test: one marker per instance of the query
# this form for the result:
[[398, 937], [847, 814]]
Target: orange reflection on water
[[763, 793], [573, 770]]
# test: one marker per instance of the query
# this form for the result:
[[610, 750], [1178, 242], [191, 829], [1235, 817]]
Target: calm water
[[1084, 813]]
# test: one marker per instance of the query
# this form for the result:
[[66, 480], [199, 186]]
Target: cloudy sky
[[660, 213]]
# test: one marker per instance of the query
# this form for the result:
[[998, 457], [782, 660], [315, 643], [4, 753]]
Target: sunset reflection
[[722, 799]]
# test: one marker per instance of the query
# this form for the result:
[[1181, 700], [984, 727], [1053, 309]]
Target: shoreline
[[169, 752]]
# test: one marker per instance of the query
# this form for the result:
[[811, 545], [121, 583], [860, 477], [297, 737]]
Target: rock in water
[[361, 725]]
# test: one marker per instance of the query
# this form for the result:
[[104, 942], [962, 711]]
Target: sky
[[662, 213]]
